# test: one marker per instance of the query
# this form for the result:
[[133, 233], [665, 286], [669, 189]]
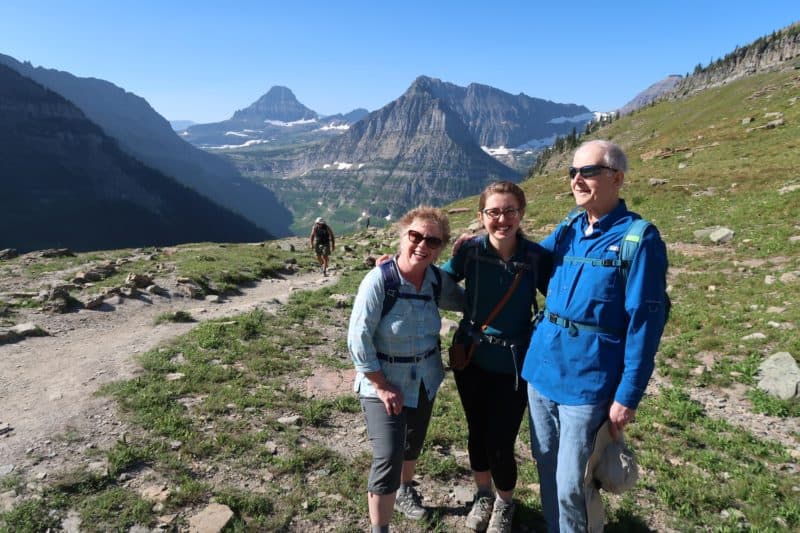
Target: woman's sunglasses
[[589, 171], [417, 237]]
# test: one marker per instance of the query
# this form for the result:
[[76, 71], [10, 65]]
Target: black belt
[[406, 358]]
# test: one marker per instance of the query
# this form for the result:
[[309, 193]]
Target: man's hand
[[620, 416], [464, 237], [382, 259]]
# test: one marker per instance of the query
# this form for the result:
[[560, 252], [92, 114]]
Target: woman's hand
[[464, 237], [392, 399]]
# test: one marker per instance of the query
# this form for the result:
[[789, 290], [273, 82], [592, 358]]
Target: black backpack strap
[[437, 285], [391, 285]]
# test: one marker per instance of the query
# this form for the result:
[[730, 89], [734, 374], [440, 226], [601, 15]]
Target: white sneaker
[[502, 517], [408, 503], [481, 512]]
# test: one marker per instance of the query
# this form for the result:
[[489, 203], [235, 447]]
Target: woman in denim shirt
[[398, 362]]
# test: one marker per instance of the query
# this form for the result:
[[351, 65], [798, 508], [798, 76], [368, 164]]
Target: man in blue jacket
[[592, 354]]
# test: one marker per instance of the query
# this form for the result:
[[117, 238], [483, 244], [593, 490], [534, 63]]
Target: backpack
[[627, 250], [391, 287], [321, 234]]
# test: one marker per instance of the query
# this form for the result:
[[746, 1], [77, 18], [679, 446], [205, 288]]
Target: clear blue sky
[[202, 60]]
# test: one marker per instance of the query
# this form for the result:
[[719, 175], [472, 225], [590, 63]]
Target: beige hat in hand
[[611, 467]]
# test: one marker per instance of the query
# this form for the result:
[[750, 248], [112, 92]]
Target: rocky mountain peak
[[497, 118], [279, 103], [651, 94]]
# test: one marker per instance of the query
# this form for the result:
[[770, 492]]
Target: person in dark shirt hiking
[[323, 242]]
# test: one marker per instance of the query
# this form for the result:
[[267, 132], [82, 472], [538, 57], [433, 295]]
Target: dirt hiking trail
[[48, 384]]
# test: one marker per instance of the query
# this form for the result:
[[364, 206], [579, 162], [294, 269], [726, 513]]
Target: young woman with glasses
[[492, 393], [398, 361]]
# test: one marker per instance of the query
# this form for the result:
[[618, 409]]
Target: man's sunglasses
[[417, 237], [588, 171]]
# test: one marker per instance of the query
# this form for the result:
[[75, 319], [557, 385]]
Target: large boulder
[[780, 376]]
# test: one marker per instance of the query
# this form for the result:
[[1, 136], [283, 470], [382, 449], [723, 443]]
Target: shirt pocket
[[603, 280]]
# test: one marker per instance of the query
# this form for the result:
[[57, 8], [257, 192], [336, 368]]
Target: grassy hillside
[[706, 465]]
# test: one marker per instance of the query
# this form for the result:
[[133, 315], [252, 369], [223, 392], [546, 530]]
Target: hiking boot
[[502, 516], [481, 512], [408, 503]]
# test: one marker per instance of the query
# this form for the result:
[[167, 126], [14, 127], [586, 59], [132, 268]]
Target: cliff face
[[766, 53], [67, 184], [424, 147], [496, 118], [414, 150]]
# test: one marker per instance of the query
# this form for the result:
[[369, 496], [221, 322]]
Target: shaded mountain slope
[[67, 184], [146, 135]]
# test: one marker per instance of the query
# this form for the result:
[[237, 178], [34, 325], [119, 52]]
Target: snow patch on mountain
[[335, 126], [583, 117], [245, 144], [283, 124]]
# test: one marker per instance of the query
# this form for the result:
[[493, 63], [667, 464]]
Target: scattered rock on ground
[[28, 329], [212, 519], [780, 376]]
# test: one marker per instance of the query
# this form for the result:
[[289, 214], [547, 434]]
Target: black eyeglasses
[[588, 171], [495, 212], [417, 237]]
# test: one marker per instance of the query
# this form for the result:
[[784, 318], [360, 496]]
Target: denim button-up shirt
[[588, 367], [411, 328]]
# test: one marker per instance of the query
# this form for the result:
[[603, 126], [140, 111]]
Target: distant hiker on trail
[[393, 340], [323, 242], [503, 271], [592, 354]]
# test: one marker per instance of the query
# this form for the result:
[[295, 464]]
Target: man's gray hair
[[613, 156]]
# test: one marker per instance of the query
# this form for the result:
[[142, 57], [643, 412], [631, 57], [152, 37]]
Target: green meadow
[[694, 164]]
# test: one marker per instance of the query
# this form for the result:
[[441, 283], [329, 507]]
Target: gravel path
[[47, 384]]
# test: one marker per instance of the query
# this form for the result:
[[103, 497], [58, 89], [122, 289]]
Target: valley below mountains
[[433, 144]]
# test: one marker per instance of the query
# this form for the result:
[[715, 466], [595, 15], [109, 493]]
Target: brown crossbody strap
[[502, 302], [497, 308]]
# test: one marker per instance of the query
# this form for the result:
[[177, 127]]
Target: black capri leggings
[[394, 438], [494, 413]]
